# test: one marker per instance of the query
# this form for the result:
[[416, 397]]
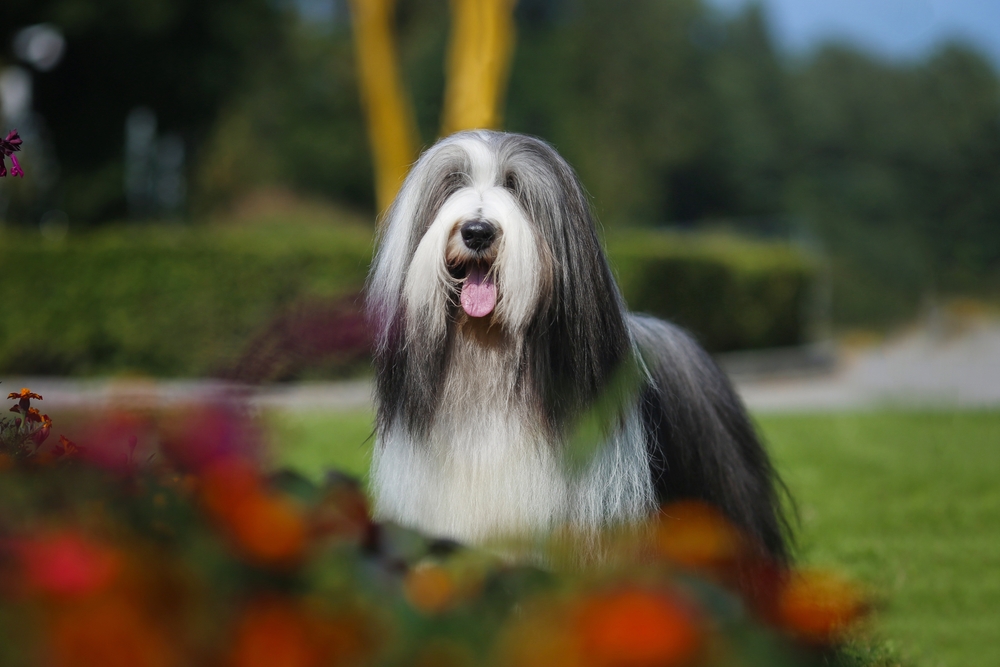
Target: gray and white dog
[[502, 341]]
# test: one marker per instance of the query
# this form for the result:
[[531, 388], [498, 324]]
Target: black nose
[[478, 234]]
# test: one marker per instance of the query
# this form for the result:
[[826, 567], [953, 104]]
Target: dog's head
[[494, 230]]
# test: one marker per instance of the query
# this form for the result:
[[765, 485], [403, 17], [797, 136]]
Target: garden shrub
[[166, 301], [158, 538], [732, 294], [261, 301]]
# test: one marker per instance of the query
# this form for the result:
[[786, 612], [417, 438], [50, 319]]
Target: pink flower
[[8, 146]]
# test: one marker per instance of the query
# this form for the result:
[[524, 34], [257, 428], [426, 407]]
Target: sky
[[898, 29]]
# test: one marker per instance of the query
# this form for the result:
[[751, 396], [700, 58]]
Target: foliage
[[181, 301], [671, 112], [279, 299], [733, 294], [903, 500], [900, 499], [161, 541], [21, 437], [184, 59]]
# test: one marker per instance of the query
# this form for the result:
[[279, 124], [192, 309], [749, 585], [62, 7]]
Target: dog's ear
[[436, 176], [408, 378], [579, 337], [408, 372]]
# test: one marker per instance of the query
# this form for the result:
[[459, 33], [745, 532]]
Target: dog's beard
[[475, 270], [447, 278]]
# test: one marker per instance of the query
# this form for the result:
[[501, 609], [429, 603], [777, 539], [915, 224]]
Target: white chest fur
[[485, 470]]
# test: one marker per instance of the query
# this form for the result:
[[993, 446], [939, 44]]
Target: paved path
[[924, 368], [928, 367]]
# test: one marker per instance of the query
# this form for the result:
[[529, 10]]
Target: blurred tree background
[[672, 112]]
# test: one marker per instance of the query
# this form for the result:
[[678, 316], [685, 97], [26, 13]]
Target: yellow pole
[[391, 125], [482, 42]]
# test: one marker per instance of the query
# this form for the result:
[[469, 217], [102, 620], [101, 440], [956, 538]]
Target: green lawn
[[312, 443], [907, 502]]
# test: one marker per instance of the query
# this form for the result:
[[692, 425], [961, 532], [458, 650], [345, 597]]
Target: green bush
[[197, 300], [732, 294], [167, 301]]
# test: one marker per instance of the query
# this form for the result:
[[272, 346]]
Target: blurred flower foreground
[[157, 538]]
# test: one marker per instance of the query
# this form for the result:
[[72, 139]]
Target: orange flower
[[33, 415], [225, 484], [637, 628], [542, 637], [696, 535], [110, 632], [42, 434], [66, 447], [268, 527], [24, 393], [23, 397], [819, 607], [280, 631], [274, 633], [342, 514], [429, 588]]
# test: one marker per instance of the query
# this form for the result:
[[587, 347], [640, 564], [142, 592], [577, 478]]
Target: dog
[[515, 394]]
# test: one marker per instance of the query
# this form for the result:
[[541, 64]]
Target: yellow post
[[391, 125], [482, 41]]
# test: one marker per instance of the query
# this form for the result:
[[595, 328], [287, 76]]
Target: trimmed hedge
[[194, 301], [732, 294], [181, 301]]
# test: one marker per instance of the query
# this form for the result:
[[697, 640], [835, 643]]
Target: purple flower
[[8, 146], [12, 143]]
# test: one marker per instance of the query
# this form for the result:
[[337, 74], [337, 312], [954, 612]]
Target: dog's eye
[[454, 181], [510, 182]]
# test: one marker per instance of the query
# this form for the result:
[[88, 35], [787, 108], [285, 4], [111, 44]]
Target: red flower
[[68, 565]]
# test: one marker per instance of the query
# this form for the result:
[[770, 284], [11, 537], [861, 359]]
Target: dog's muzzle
[[479, 291], [478, 235]]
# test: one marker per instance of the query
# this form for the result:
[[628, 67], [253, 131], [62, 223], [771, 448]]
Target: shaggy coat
[[514, 391]]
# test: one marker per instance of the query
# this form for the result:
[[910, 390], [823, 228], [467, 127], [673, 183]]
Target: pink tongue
[[479, 294]]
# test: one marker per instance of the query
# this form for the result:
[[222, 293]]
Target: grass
[[312, 443], [907, 502]]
